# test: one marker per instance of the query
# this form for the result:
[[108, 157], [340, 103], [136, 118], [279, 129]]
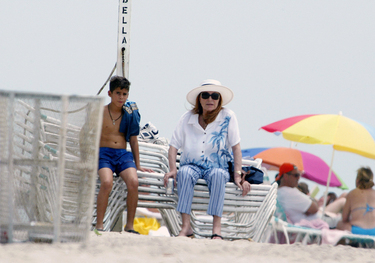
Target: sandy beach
[[124, 247]]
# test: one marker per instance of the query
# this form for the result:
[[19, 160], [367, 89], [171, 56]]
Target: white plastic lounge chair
[[243, 217], [284, 232], [151, 190]]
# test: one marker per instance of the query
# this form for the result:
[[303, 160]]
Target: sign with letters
[[123, 38]]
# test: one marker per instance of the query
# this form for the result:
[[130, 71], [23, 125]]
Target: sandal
[[216, 235], [132, 231]]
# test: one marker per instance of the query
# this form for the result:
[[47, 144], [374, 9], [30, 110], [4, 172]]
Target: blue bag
[[252, 175]]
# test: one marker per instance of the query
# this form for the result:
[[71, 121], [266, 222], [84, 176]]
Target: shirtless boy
[[120, 125]]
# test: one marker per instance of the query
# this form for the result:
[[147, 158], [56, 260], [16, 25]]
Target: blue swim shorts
[[117, 160], [363, 231]]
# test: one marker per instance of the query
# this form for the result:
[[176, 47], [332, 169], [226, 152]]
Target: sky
[[280, 58]]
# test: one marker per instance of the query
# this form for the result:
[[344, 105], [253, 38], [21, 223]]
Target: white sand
[[124, 247]]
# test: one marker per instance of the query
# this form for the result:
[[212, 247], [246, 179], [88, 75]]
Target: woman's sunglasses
[[206, 95]]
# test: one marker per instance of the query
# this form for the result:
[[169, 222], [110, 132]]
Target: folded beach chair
[[48, 159]]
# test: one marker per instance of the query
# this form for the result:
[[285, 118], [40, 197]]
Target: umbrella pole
[[328, 181]]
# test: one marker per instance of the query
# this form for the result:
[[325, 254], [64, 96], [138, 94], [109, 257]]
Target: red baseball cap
[[285, 168]]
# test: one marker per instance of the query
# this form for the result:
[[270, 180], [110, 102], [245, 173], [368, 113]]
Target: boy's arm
[[135, 150]]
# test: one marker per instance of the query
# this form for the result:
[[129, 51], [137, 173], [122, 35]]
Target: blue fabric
[[369, 128], [216, 178], [117, 160], [367, 209], [253, 174], [210, 147], [251, 152], [220, 155], [363, 231], [130, 120]]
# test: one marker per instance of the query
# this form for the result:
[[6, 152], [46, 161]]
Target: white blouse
[[206, 148]]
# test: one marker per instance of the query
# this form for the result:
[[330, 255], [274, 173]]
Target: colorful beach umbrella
[[313, 167], [343, 133]]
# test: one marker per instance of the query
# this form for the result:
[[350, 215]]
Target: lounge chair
[[243, 217], [281, 231]]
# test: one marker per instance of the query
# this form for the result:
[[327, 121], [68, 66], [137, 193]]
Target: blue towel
[[130, 120]]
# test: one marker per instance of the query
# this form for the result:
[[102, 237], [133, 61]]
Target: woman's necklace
[[203, 123], [113, 121]]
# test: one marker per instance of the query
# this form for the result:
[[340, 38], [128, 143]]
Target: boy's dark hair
[[119, 82]]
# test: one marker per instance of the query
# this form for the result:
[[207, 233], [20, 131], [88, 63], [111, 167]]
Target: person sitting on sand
[[297, 205], [206, 135], [358, 215], [120, 125]]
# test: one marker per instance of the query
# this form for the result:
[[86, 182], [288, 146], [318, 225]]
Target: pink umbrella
[[313, 167]]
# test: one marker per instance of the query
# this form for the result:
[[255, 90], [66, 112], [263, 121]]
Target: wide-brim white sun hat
[[210, 85]]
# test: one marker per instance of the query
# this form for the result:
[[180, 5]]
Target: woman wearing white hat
[[206, 135]]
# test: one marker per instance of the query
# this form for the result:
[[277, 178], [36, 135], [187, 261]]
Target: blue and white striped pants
[[216, 178]]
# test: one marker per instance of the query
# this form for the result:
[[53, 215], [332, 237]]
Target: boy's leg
[[130, 178], [106, 182]]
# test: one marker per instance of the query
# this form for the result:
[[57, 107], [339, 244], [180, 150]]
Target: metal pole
[[328, 181], [123, 38]]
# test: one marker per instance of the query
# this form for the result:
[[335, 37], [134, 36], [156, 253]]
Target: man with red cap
[[297, 205]]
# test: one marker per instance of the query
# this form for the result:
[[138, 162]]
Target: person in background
[[206, 135], [297, 205], [358, 215], [304, 188], [331, 197]]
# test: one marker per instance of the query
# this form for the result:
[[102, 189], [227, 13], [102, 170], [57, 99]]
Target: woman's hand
[[172, 174], [237, 180], [244, 185]]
